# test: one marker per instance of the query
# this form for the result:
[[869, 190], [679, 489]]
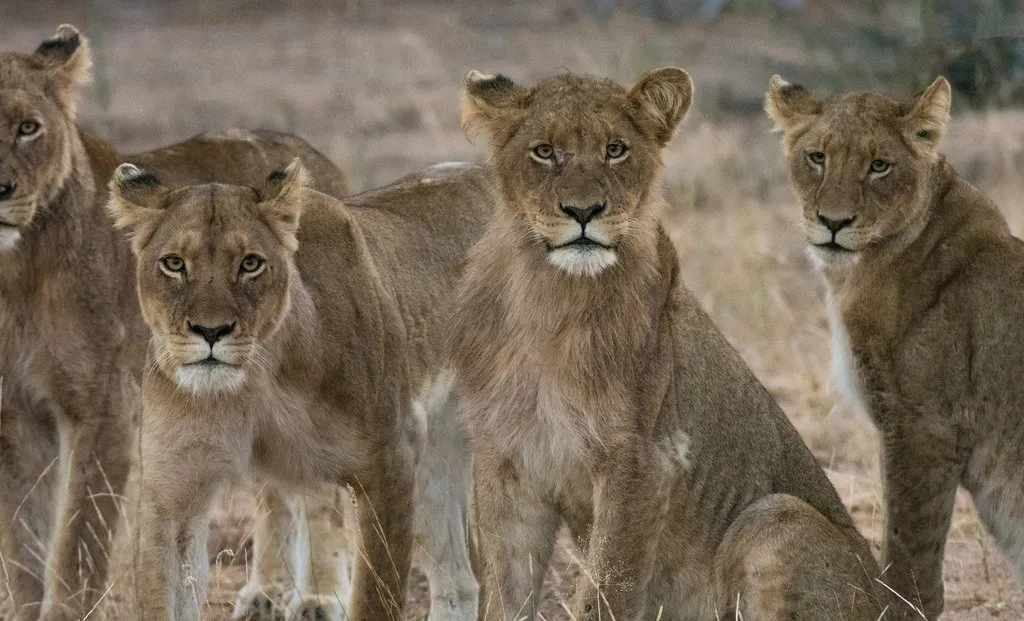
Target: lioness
[[598, 392], [925, 293], [71, 335], [300, 339]]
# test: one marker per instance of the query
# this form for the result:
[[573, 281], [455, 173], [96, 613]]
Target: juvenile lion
[[925, 295], [70, 330], [300, 339], [598, 392]]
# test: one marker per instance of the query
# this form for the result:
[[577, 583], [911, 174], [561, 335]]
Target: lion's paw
[[317, 608], [266, 603]]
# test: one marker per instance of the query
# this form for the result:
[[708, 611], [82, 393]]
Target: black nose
[[212, 335], [835, 225], [582, 214], [7, 190]]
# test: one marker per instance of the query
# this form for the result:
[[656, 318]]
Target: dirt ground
[[375, 87]]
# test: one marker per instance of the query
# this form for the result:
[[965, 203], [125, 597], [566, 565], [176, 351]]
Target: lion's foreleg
[[517, 537], [181, 473], [920, 470], [631, 506], [28, 473]]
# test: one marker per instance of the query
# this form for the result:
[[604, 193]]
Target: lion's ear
[[928, 117], [662, 98], [281, 197], [790, 105], [487, 98], [66, 59], [136, 203]]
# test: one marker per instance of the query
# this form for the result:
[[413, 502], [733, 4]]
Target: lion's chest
[[302, 437], [844, 364], [550, 435]]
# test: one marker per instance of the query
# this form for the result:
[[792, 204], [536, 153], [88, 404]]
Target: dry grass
[[376, 89]]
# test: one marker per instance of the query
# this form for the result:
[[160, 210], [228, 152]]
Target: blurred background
[[375, 86]]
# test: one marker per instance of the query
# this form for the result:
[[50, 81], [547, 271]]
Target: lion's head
[[37, 125], [215, 263], [577, 156], [861, 163]]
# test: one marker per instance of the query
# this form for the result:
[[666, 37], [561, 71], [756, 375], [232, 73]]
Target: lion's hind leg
[[444, 479], [324, 551], [781, 559], [272, 581]]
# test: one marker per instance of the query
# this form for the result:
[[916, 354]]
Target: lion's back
[[240, 157]]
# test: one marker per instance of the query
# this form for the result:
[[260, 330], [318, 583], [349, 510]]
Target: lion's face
[[861, 164], [214, 268], [37, 122], [578, 155]]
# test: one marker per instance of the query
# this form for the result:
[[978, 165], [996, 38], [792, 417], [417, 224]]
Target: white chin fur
[[210, 379], [582, 261], [9, 237]]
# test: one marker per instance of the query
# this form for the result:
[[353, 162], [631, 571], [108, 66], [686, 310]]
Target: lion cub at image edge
[[925, 300], [599, 393], [300, 339]]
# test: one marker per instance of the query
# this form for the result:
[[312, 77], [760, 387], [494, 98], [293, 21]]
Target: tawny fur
[[71, 336], [925, 306], [611, 402], [332, 373]]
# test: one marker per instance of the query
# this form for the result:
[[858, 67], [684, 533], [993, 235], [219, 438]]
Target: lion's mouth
[[210, 361], [834, 247], [583, 242]]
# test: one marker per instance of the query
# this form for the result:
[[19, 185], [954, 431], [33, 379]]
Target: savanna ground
[[375, 87]]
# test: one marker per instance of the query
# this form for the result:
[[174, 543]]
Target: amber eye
[[880, 166], [816, 157], [251, 264], [543, 152], [173, 264], [28, 128], [615, 151]]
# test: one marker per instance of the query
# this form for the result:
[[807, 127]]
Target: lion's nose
[[7, 189], [583, 214], [835, 225], [212, 335]]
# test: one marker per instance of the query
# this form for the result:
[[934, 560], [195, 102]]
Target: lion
[[924, 287], [300, 340], [598, 391], [71, 334]]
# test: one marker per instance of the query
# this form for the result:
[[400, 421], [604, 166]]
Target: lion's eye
[[173, 264], [616, 151], [28, 128], [543, 152], [880, 166], [251, 264], [816, 157]]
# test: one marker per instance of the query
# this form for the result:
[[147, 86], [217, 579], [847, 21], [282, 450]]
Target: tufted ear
[[662, 98], [66, 59], [280, 201], [488, 98], [790, 105], [928, 117], [136, 203]]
